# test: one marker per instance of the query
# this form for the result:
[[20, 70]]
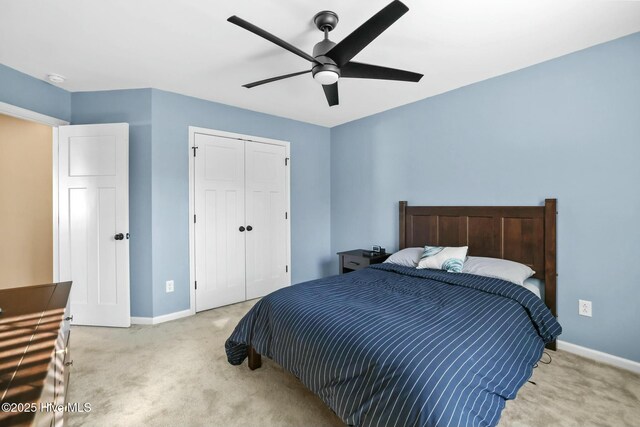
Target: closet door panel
[[266, 206], [220, 211]]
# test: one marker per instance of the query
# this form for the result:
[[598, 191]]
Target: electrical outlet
[[584, 308], [169, 286]]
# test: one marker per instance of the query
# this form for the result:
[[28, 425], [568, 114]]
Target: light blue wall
[[568, 128], [24, 91], [133, 107], [310, 188]]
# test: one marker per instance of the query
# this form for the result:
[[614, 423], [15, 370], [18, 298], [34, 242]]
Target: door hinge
[[286, 269], [194, 148], [196, 284], [286, 161], [194, 219]]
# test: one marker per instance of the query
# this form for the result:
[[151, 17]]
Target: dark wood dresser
[[34, 354]]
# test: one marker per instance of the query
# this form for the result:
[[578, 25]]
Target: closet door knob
[[241, 228], [119, 236], [249, 228]]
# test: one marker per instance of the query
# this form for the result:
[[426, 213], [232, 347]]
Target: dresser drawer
[[67, 365], [63, 365], [355, 262]]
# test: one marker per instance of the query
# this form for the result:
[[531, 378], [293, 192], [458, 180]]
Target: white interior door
[[93, 203], [267, 219], [220, 217]]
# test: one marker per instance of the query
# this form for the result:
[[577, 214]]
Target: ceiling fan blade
[[273, 39], [368, 71], [366, 33], [331, 92], [273, 79]]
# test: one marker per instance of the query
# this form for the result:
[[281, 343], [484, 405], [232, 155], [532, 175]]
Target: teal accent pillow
[[450, 259]]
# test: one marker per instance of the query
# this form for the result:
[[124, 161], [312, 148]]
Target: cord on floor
[[543, 362]]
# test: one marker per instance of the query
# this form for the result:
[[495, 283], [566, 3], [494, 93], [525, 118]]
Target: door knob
[[241, 228], [119, 236], [249, 228]]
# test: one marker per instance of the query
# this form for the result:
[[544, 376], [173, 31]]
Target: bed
[[395, 346]]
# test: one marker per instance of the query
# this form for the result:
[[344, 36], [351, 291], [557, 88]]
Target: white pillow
[[443, 258], [408, 257], [510, 271]]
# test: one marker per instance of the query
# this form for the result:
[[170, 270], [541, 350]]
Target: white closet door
[[220, 212], [267, 231], [93, 200]]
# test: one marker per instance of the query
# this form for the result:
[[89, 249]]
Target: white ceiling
[[188, 47]]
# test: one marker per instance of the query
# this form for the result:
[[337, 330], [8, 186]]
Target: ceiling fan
[[331, 61]]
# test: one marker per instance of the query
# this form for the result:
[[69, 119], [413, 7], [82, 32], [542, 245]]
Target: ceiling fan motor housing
[[326, 63], [321, 48]]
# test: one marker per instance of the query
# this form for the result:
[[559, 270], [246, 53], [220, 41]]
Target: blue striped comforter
[[397, 346]]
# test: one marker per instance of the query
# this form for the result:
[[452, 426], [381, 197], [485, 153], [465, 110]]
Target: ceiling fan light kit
[[331, 61], [326, 77]]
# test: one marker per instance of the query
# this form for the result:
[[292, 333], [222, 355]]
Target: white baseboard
[[142, 320], [160, 319], [599, 356]]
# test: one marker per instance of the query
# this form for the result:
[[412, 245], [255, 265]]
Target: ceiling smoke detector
[[56, 78]]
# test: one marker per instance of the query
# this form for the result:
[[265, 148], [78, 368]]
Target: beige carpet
[[176, 374]]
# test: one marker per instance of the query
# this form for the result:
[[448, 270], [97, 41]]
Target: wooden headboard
[[526, 234]]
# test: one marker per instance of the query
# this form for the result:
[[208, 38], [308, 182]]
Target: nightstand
[[358, 259]]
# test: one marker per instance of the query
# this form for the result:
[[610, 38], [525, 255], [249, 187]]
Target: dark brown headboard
[[526, 234]]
